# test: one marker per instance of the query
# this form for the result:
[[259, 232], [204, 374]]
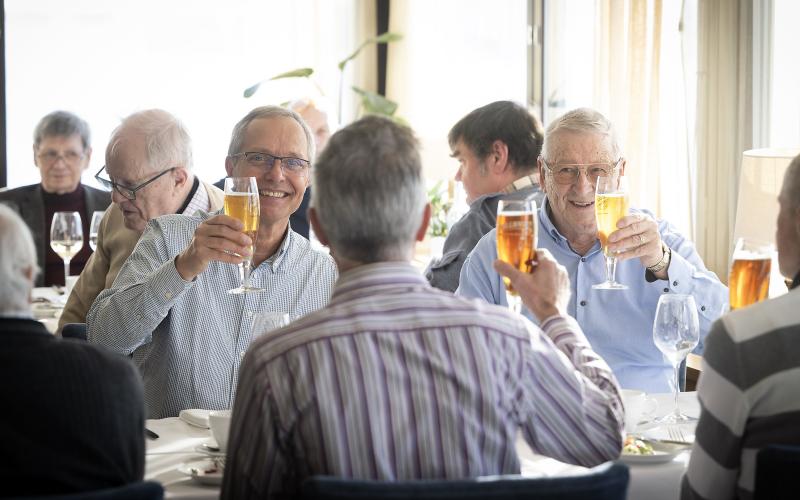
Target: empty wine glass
[[66, 237], [676, 331], [94, 228]]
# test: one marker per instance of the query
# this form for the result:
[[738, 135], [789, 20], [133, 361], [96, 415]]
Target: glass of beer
[[748, 282], [66, 237], [610, 205], [242, 203], [516, 240]]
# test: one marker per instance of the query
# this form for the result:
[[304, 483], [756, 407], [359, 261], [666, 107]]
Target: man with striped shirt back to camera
[[397, 380], [751, 375]]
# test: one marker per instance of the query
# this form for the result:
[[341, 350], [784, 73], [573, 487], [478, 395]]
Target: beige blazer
[[115, 242]]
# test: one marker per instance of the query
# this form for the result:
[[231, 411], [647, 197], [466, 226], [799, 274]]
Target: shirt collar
[[521, 183], [369, 279]]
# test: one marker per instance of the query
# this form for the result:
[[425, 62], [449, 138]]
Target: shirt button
[[583, 259], [241, 355], [675, 283], [168, 295], [702, 308], [666, 290], [583, 302], [249, 314]]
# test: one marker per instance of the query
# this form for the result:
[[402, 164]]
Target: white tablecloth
[[49, 307], [178, 440]]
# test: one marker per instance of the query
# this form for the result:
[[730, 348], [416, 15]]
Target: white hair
[[581, 120], [18, 267], [264, 112], [167, 142]]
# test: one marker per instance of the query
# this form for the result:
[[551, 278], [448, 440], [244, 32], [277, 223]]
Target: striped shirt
[[749, 395], [188, 337], [397, 380]]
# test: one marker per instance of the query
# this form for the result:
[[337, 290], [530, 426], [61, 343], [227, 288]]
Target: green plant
[[371, 102], [439, 208]]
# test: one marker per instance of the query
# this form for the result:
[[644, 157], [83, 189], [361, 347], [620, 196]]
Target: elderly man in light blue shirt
[[654, 259]]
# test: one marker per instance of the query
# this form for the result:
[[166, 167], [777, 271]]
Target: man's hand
[[545, 291], [637, 236], [218, 238]]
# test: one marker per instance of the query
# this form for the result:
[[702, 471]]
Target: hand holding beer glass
[[610, 205], [516, 240], [242, 203], [749, 279]]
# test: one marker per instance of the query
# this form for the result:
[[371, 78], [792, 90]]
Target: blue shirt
[[618, 323]]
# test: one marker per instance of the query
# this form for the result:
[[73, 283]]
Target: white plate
[[198, 471], [662, 452]]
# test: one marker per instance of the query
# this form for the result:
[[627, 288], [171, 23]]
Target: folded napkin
[[195, 417]]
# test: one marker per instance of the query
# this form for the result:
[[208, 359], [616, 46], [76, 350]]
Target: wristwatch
[[664, 262]]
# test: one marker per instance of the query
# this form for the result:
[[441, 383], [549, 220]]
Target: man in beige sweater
[[149, 170]]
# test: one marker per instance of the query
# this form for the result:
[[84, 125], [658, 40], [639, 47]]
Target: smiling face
[[281, 194], [572, 205], [61, 161]]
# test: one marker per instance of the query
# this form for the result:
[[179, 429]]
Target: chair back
[[605, 482], [776, 472], [74, 331], [142, 490]]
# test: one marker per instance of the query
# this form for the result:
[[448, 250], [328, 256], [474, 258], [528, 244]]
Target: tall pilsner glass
[[516, 240], [748, 282], [242, 203], [676, 331], [66, 237], [610, 205]]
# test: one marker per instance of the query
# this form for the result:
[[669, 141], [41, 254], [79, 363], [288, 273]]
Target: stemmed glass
[[516, 240], [94, 229], [676, 331], [242, 203], [66, 237], [610, 205]]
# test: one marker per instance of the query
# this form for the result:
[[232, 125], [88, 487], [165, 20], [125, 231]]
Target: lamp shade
[[757, 207]]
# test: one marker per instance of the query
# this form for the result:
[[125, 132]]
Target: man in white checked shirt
[[395, 379], [168, 306]]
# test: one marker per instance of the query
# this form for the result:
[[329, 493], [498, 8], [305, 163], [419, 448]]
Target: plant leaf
[[382, 38], [249, 91], [295, 73], [375, 103]]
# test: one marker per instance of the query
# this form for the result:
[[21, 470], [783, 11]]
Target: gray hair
[[369, 194], [167, 142], [239, 130], [64, 124], [17, 258], [582, 120], [791, 182]]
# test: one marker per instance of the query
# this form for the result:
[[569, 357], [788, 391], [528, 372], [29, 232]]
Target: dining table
[[179, 445], [48, 304]]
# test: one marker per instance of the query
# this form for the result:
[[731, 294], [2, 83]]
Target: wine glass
[[516, 240], [676, 331], [242, 203], [94, 228], [66, 237], [610, 205]]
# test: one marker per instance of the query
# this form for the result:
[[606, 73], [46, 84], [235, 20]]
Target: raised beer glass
[[242, 203], [676, 331], [748, 282], [610, 205], [66, 237], [516, 240]]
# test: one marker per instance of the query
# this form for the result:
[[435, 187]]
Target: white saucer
[[209, 447], [662, 452], [204, 471]]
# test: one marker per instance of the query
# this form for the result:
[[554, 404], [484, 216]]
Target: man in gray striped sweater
[[750, 387], [397, 380]]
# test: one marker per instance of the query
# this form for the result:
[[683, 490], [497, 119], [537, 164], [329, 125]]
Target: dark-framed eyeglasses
[[568, 173], [127, 192], [69, 157], [289, 164]]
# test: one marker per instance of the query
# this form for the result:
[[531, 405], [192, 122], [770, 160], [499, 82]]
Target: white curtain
[[724, 122]]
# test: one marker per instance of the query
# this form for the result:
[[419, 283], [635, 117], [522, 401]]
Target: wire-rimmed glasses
[[128, 192]]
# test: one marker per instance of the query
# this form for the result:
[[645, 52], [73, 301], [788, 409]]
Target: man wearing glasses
[[149, 172], [61, 150], [653, 258], [169, 307]]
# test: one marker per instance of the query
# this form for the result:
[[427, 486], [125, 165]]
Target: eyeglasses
[[568, 173], [127, 192], [69, 157], [289, 164]]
